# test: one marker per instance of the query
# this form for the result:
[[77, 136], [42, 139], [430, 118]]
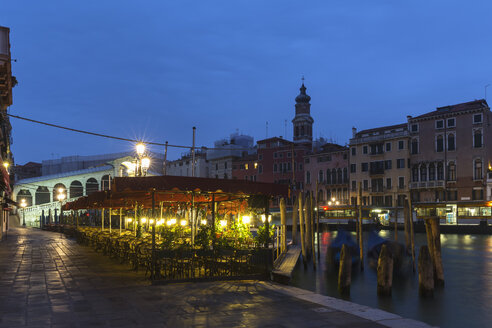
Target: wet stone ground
[[47, 280]]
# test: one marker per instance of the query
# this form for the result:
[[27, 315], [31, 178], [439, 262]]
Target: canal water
[[464, 301]]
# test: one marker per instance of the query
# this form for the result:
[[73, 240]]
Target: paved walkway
[[47, 280]]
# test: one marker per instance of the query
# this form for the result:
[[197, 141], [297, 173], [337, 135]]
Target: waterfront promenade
[[47, 280]]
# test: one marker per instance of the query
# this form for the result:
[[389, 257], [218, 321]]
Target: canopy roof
[[126, 191]]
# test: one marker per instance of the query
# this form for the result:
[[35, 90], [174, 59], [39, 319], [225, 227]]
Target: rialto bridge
[[40, 193]]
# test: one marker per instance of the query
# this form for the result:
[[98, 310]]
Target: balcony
[[426, 184], [376, 171]]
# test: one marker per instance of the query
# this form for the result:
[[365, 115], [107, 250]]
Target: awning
[[126, 191]]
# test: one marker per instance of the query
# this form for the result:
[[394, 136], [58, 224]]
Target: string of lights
[[115, 137]]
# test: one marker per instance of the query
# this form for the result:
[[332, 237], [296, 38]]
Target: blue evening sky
[[153, 69]]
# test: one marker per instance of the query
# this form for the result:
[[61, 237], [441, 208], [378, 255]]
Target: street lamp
[[142, 163], [60, 197], [23, 204]]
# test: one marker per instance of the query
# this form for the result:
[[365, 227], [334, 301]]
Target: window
[[260, 157], [451, 122], [354, 185], [364, 149], [353, 151], [477, 169], [366, 185], [364, 167], [439, 124], [388, 146], [423, 172], [387, 164], [345, 175], [216, 166], [440, 171], [388, 183], [281, 155], [414, 128], [400, 163], [308, 177], [452, 195], [451, 171], [432, 172], [477, 194], [415, 173], [451, 142], [477, 138], [344, 156], [439, 143], [246, 166], [289, 154], [353, 168], [306, 160], [260, 169], [275, 167], [339, 176], [415, 146], [320, 176], [256, 165], [377, 185], [274, 155], [477, 118], [401, 182], [333, 176], [328, 176], [225, 166], [401, 144]]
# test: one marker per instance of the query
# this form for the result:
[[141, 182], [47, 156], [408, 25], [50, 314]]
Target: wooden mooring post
[[311, 223], [301, 226], [283, 225], [426, 272], [434, 244], [412, 235], [307, 223], [385, 272], [345, 271], [295, 215], [361, 240]]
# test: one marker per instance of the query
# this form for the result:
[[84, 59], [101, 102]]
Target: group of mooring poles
[[303, 210], [430, 267]]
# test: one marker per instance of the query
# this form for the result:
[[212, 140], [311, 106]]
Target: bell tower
[[303, 122]]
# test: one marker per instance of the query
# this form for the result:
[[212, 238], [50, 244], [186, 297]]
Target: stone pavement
[[47, 280]]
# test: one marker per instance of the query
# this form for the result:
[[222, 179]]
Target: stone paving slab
[[47, 280]]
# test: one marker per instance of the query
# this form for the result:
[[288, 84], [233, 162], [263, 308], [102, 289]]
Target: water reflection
[[465, 301]]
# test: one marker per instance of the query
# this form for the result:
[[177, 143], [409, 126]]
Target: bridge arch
[[105, 182], [91, 186], [42, 195], [76, 189], [24, 194], [56, 190]]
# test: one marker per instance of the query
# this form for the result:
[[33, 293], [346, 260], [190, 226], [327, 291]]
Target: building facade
[[7, 82], [183, 166], [451, 150], [226, 151], [245, 168], [379, 161], [327, 172], [28, 170]]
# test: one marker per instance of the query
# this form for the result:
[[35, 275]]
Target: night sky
[[153, 69]]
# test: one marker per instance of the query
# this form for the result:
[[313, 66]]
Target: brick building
[[451, 150], [245, 168], [328, 171]]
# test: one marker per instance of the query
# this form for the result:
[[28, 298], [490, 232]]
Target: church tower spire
[[303, 122]]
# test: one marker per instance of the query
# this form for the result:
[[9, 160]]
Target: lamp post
[[60, 197], [23, 204], [142, 162]]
